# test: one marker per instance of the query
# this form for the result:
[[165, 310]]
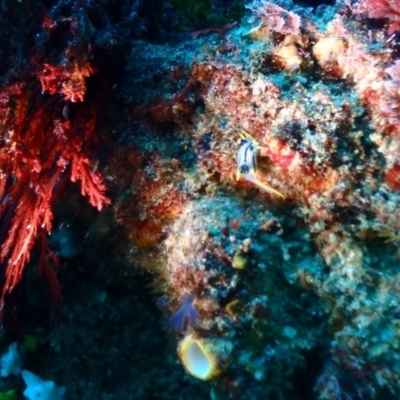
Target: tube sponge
[[204, 358]]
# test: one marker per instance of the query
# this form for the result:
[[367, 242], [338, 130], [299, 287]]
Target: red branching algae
[[39, 152]]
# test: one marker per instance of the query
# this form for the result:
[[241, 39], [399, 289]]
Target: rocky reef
[[250, 154]]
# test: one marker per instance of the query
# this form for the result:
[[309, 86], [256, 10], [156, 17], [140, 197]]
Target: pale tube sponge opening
[[204, 358]]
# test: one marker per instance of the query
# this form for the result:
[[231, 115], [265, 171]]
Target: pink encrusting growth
[[389, 100], [275, 17], [387, 9]]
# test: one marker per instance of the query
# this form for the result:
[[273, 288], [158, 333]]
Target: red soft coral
[[67, 80], [389, 9], [37, 154]]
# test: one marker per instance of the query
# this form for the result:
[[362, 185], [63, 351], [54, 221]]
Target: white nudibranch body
[[247, 157], [247, 163]]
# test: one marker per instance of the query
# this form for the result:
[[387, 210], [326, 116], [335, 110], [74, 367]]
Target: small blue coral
[[177, 321]]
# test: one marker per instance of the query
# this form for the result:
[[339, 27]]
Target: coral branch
[[68, 81], [91, 183], [37, 151], [33, 213]]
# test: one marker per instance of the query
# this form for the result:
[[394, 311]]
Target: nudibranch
[[247, 163]]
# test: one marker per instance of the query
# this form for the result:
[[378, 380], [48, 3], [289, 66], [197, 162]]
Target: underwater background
[[199, 199]]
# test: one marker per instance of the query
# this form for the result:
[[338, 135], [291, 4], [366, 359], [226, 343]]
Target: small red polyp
[[392, 178]]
